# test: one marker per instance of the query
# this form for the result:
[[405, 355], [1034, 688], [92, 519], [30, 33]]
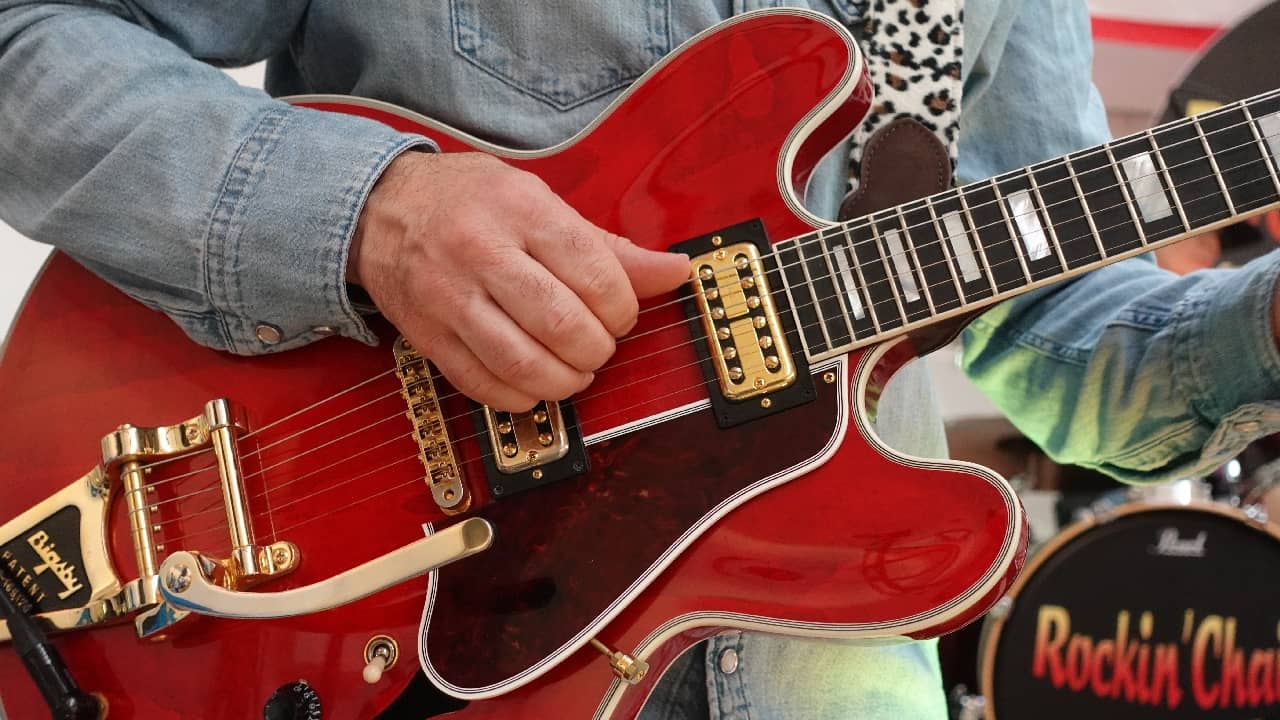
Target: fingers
[[574, 251], [470, 376], [553, 314], [607, 272], [516, 359], [651, 273]]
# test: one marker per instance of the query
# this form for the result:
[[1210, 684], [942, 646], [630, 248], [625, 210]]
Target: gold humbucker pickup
[[436, 452], [525, 440], [744, 335]]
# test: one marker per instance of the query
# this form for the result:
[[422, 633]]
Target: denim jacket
[[227, 210]]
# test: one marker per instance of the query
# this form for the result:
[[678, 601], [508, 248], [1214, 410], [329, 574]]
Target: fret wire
[[835, 284], [786, 285], [1168, 178], [884, 260], [1128, 197], [813, 293], [945, 242], [862, 281], [911, 248], [1053, 234], [1084, 205], [1262, 145], [982, 251], [1213, 162], [1101, 262], [1015, 238], [1159, 159]]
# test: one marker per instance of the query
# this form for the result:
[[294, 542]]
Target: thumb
[[651, 273]]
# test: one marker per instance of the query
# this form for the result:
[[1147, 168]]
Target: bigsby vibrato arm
[[186, 577]]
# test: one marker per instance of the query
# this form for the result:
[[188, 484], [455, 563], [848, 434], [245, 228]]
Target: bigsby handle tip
[[186, 584]]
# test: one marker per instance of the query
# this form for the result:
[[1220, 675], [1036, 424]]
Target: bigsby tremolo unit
[[66, 536]]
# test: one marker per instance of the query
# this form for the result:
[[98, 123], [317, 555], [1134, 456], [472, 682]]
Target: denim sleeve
[[213, 203], [1130, 369]]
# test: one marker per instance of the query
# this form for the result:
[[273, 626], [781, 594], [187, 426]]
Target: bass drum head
[[1155, 612]]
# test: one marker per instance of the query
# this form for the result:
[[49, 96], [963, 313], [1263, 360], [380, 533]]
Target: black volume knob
[[295, 701]]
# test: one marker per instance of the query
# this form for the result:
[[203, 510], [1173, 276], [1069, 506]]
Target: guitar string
[[279, 486], [817, 299], [210, 489], [415, 479], [1146, 137]]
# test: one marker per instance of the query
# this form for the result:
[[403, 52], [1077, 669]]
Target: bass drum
[[1145, 611]]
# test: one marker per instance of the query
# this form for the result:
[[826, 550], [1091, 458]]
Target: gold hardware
[[717, 241], [430, 430], [751, 319], [766, 403], [109, 600], [523, 440], [140, 526], [828, 377], [627, 668], [222, 436], [537, 474], [190, 585]]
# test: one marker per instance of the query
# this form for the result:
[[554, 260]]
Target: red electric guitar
[[208, 534]]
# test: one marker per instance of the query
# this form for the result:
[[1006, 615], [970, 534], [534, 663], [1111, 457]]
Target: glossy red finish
[[864, 545]]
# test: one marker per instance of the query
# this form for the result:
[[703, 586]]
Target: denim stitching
[[468, 40], [220, 225]]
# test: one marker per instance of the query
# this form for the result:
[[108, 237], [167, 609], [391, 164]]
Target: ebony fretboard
[[957, 251]]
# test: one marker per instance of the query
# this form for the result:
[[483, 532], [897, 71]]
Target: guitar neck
[[958, 251]]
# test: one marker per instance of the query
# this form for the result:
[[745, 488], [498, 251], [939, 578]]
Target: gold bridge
[[744, 334], [430, 430]]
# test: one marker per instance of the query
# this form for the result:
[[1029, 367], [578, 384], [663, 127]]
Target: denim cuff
[[1228, 343], [282, 224]]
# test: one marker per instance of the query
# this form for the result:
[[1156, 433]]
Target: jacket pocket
[[564, 54]]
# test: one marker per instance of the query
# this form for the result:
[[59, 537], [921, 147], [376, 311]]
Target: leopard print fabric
[[913, 50]]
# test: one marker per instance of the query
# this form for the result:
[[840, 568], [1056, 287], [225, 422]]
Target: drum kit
[[1153, 602], [1150, 602]]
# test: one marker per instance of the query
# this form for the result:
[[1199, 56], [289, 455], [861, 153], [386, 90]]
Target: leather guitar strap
[[906, 147]]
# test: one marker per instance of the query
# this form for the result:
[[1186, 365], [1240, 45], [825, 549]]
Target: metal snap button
[[269, 334], [324, 331], [729, 661]]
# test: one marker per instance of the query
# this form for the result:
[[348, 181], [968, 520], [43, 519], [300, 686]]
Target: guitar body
[[798, 523]]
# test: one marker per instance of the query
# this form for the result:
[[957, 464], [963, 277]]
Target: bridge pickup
[[742, 329], [529, 449]]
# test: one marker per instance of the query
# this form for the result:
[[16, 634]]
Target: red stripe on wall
[[1186, 37]]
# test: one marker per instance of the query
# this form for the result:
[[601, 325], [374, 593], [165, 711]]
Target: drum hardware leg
[[626, 667], [1256, 514]]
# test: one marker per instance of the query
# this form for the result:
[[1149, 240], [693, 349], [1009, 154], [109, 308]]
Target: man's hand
[[508, 290]]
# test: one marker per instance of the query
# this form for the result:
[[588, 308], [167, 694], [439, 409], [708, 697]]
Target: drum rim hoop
[[994, 626]]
